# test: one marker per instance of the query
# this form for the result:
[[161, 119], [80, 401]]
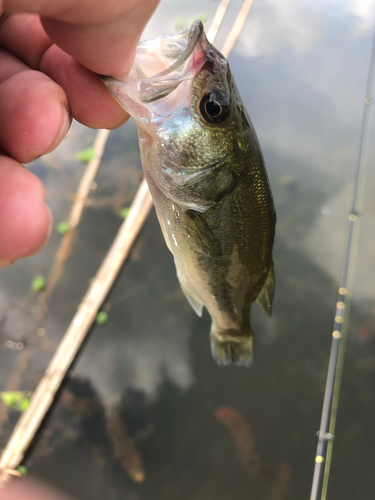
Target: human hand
[[49, 52], [26, 490]]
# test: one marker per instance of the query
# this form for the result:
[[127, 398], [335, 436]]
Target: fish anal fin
[[195, 303], [266, 294]]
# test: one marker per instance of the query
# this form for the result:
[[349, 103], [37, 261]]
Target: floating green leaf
[[63, 227], [287, 179], [16, 399], [101, 318], [11, 398], [85, 155], [202, 17], [180, 24], [183, 23], [38, 284], [124, 212], [22, 469], [24, 404]]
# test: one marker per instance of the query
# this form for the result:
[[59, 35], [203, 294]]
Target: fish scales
[[206, 174]]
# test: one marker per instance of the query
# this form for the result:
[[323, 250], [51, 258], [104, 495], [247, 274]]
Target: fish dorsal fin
[[266, 294]]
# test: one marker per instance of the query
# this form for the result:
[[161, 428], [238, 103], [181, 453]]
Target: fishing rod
[[340, 328]]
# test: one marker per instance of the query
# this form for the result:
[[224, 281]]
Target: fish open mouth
[[163, 55], [162, 63]]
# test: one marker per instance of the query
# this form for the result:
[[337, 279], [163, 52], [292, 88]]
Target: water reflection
[[149, 326], [364, 11], [288, 26]]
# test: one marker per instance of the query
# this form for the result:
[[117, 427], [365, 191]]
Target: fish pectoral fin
[[204, 190], [165, 234], [201, 234], [188, 201], [266, 294], [195, 303]]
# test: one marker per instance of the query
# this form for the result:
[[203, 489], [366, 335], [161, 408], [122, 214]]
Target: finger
[[24, 36], [20, 490], [90, 102], [9, 65], [35, 116], [107, 49], [25, 220], [100, 35]]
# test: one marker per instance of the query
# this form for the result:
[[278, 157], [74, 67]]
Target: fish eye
[[214, 107]]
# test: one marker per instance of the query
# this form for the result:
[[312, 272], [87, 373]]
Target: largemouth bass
[[206, 174]]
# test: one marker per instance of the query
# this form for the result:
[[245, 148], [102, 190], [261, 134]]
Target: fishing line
[[340, 329]]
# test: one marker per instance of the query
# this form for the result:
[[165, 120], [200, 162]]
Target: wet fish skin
[[211, 193]]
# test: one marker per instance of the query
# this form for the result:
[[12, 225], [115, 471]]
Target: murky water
[[145, 413]]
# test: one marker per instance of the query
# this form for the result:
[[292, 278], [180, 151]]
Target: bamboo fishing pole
[[340, 326]]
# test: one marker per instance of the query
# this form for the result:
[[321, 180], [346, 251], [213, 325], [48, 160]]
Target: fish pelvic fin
[[228, 348]]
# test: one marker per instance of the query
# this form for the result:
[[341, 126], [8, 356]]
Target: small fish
[[124, 446], [251, 461], [244, 440], [206, 173]]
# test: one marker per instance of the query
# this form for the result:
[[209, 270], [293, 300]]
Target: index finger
[[89, 101]]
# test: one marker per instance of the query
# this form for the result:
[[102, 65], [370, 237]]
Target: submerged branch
[[237, 28], [217, 20], [80, 200]]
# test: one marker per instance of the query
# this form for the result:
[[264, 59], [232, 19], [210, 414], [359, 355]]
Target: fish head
[[183, 98]]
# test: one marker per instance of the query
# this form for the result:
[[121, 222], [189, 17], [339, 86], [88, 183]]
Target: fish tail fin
[[228, 347]]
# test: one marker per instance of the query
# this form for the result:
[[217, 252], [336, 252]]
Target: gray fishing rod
[[333, 381]]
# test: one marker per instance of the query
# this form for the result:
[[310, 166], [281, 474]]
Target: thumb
[[102, 36]]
